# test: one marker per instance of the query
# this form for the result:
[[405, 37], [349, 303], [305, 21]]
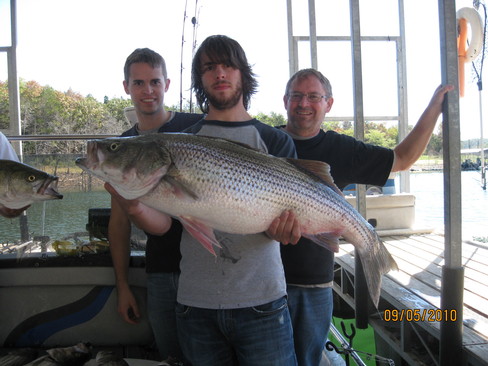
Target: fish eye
[[31, 178], [114, 146]]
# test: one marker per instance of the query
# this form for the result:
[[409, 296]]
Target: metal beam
[[402, 92], [361, 296], [292, 50], [13, 79], [313, 34], [453, 271]]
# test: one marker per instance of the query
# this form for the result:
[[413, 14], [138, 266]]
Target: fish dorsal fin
[[317, 168]]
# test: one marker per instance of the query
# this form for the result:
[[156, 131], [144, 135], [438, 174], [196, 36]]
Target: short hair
[[221, 49], [147, 56], [305, 73]]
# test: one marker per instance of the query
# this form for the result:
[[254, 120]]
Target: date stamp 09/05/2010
[[419, 315]]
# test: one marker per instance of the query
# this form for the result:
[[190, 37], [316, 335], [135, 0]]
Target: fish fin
[[376, 263], [201, 232], [328, 241], [178, 188], [318, 169]]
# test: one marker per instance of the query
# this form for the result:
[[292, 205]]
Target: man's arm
[[119, 230], [122, 213], [414, 144]]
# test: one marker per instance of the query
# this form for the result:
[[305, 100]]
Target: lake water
[[58, 218], [70, 214], [428, 189]]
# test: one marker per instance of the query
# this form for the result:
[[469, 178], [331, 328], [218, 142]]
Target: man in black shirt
[[146, 81], [309, 267]]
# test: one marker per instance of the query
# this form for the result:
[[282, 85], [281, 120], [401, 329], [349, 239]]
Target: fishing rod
[[181, 63], [194, 21], [347, 350], [476, 5]]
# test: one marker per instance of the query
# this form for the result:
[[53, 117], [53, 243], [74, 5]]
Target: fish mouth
[[91, 161], [81, 162], [50, 188]]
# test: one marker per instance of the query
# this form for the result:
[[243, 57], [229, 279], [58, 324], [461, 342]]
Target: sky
[[82, 45]]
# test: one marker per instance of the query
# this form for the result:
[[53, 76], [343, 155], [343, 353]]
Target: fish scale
[[276, 188], [214, 184], [233, 167]]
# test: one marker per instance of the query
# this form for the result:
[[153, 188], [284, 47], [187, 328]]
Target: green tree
[[4, 105], [375, 137], [45, 111], [336, 126], [115, 107], [434, 148], [186, 108], [274, 119]]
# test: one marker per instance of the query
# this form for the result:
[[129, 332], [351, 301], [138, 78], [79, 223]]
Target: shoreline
[[427, 165]]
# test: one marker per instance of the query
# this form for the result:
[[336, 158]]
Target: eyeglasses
[[312, 98]]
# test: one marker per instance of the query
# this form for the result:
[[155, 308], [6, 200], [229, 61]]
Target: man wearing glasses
[[309, 268]]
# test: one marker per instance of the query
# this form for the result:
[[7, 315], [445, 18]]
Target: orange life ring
[[461, 46], [467, 53]]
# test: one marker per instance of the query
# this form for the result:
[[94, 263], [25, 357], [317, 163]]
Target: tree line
[[46, 111], [374, 133]]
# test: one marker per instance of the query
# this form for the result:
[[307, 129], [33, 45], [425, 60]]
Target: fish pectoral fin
[[179, 189], [327, 240], [201, 232]]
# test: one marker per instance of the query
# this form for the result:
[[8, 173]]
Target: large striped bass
[[210, 183]]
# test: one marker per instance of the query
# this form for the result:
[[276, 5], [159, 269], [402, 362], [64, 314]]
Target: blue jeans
[[161, 302], [311, 314], [254, 336]]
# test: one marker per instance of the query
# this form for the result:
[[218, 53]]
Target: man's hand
[[10, 213], [286, 229], [127, 305]]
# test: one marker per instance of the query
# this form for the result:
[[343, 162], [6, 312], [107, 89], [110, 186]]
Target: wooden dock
[[410, 300]]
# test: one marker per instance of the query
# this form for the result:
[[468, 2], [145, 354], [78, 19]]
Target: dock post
[[361, 295], [450, 352], [360, 288], [451, 340]]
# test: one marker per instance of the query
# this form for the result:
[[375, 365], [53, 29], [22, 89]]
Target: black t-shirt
[[163, 252], [351, 161]]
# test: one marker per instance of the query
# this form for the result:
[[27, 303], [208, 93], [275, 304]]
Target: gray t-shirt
[[248, 270]]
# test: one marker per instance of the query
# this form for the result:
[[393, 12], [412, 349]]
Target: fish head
[[132, 165], [22, 185]]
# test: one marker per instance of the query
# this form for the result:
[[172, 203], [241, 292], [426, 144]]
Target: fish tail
[[376, 263]]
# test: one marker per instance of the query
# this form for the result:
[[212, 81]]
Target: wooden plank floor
[[420, 259]]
